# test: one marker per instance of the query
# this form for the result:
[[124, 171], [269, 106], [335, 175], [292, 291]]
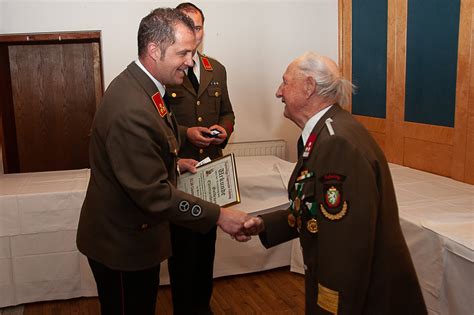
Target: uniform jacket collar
[[150, 89], [316, 130], [205, 78]]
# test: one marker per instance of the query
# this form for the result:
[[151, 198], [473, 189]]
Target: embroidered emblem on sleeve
[[196, 210], [183, 206], [333, 207]]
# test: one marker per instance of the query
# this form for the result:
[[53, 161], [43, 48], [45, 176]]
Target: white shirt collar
[[158, 84], [197, 67], [309, 126]]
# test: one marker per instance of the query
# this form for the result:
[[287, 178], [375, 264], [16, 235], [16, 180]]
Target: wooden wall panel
[[345, 42], [376, 127], [396, 64], [469, 161], [428, 156], [442, 150], [464, 95], [430, 133]]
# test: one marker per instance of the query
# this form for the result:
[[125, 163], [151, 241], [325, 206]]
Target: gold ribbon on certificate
[[215, 182]]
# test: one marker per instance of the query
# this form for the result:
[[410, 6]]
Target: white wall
[[254, 39]]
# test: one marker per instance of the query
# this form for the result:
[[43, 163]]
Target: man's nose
[[278, 92], [189, 61]]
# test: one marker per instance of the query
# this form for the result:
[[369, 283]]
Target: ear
[[154, 51], [309, 86]]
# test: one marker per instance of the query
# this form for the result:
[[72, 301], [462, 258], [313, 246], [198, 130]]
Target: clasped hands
[[239, 224]]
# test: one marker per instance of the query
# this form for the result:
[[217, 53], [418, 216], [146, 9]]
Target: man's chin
[[179, 78], [178, 81]]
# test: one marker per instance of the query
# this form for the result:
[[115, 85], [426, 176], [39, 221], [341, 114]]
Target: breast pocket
[[175, 100], [215, 95]]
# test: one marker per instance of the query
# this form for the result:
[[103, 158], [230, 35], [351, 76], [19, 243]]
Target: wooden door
[[55, 89]]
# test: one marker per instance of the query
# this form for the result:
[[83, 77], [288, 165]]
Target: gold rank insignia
[[312, 225], [328, 299], [333, 207]]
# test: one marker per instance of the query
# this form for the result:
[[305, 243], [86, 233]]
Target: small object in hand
[[214, 133]]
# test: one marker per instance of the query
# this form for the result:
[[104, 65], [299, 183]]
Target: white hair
[[329, 83]]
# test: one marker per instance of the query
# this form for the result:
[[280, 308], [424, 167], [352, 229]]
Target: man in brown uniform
[[131, 198], [200, 104], [342, 203]]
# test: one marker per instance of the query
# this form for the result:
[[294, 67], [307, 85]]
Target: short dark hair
[[190, 7], [159, 27]]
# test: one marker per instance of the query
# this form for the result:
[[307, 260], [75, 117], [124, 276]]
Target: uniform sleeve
[[226, 115], [347, 197], [140, 151], [277, 230]]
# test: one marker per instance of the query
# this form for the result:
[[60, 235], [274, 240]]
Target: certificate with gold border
[[215, 182]]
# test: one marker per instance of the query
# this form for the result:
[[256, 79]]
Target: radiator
[[254, 148]]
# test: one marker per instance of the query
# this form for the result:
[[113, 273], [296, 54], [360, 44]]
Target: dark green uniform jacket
[[131, 197], [344, 210]]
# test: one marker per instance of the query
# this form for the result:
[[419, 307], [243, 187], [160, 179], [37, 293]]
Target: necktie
[[193, 79], [300, 146]]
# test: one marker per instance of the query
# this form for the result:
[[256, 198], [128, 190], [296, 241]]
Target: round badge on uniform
[[183, 206], [196, 210], [312, 225]]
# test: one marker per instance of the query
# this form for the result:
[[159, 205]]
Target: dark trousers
[[191, 270], [126, 292]]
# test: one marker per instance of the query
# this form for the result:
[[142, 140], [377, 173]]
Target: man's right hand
[[232, 222], [195, 135], [253, 226]]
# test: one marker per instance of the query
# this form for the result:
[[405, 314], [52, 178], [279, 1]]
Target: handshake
[[239, 225]]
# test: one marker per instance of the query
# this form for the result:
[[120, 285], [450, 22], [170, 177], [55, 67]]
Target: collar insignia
[[159, 104], [206, 64]]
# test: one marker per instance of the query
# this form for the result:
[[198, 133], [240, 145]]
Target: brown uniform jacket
[[131, 197], [211, 105], [356, 261]]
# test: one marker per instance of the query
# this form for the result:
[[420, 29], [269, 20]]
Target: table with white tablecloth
[[38, 220], [39, 213]]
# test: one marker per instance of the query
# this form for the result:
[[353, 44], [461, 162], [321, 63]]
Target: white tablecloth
[[39, 213], [38, 220], [437, 219]]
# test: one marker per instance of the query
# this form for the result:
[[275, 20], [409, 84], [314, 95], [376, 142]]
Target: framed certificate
[[215, 182]]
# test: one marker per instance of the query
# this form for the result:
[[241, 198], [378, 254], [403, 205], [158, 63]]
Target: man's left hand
[[220, 137], [187, 165]]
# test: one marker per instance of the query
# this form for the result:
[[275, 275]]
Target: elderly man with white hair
[[342, 203]]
